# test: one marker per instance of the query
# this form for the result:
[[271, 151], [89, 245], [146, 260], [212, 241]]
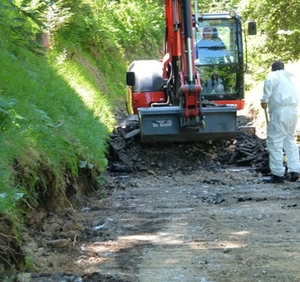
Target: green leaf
[[19, 20]]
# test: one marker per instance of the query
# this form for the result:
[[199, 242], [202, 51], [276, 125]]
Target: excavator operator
[[210, 49], [210, 40]]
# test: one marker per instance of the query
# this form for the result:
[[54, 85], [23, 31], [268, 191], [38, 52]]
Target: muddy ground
[[183, 214]]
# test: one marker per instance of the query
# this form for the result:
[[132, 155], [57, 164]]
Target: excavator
[[194, 92]]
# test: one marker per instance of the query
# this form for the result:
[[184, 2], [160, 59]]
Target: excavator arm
[[180, 58]]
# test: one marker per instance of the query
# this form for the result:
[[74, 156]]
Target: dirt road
[[203, 226]]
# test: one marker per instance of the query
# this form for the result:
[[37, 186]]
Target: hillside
[[62, 73]]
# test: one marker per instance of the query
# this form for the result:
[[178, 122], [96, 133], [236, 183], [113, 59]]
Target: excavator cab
[[219, 57]]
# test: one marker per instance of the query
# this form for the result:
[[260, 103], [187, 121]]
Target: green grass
[[53, 118]]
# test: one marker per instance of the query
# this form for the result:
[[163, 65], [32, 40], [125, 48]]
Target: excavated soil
[[176, 212]]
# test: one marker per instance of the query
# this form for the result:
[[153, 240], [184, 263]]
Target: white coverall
[[281, 94]]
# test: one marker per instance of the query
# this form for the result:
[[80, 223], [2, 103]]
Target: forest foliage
[[278, 26], [57, 96]]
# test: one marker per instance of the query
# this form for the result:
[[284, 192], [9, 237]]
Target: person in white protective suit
[[281, 96]]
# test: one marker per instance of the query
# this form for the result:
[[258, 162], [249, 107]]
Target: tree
[[278, 28]]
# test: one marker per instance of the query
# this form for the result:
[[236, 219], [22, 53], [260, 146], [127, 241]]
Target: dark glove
[[264, 105]]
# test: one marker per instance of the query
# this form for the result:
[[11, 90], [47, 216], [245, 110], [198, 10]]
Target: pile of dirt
[[248, 149]]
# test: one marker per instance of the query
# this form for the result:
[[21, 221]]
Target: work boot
[[274, 179], [294, 176]]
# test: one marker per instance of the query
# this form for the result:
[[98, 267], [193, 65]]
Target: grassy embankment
[[57, 104]]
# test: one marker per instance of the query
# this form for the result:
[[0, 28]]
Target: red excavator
[[194, 92]]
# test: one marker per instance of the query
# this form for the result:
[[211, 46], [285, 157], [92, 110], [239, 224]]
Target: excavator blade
[[162, 124]]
